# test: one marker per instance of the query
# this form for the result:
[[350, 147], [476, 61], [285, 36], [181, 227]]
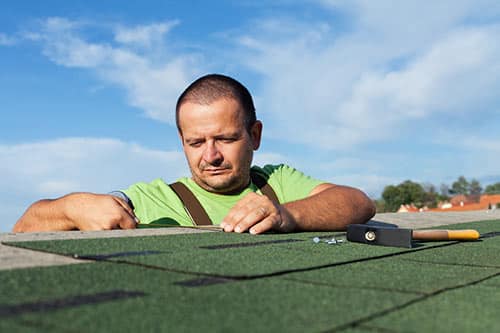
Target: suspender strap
[[198, 213], [264, 187], [193, 206]]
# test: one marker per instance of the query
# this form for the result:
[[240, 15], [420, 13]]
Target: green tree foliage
[[409, 192], [431, 197], [405, 193], [475, 187], [391, 198], [460, 186], [463, 186], [492, 189]]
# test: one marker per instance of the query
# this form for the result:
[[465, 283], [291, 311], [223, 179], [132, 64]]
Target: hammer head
[[379, 235]]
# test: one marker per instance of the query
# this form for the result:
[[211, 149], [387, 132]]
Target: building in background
[[458, 203]]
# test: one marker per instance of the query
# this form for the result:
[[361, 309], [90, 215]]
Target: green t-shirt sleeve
[[156, 203], [289, 183]]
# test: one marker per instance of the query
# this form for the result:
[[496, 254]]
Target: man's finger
[[234, 218], [253, 217], [250, 210], [235, 215], [127, 222], [269, 223]]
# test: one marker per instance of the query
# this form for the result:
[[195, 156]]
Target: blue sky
[[362, 93]]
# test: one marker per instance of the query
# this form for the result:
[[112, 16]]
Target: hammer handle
[[443, 235]]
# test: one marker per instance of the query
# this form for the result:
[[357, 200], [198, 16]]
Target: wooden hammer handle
[[443, 235]]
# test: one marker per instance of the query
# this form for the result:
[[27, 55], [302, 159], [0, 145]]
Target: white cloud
[[143, 35], [332, 89], [452, 77], [49, 169], [338, 89], [85, 164], [151, 85]]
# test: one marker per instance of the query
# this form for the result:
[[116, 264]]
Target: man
[[219, 132]]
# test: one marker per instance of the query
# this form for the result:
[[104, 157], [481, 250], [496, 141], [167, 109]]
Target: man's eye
[[228, 140], [195, 144]]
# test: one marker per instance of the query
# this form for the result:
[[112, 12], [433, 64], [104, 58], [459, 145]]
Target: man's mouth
[[215, 171]]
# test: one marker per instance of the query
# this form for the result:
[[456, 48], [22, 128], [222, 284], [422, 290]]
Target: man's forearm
[[333, 208], [83, 211], [45, 215]]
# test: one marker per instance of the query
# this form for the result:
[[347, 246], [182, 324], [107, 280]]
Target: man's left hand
[[257, 214]]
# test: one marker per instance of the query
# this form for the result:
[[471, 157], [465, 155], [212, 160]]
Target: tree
[[463, 186], [430, 197], [460, 186], [493, 189], [391, 198], [407, 192], [412, 193], [475, 187]]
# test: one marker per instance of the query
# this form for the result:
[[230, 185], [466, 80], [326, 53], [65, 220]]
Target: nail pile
[[333, 240]]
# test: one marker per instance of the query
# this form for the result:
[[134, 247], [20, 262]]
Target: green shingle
[[286, 282]]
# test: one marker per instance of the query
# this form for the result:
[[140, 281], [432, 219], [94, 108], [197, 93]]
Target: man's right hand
[[82, 211], [91, 211]]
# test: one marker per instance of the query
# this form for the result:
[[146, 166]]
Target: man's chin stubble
[[223, 188]]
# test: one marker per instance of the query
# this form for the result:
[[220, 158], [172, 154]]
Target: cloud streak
[[52, 168], [49, 169], [316, 80], [129, 62], [143, 35], [341, 90]]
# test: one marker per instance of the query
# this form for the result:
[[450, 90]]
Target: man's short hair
[[209, 88]]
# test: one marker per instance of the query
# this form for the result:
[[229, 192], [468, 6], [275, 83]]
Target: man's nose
[[212, 154]]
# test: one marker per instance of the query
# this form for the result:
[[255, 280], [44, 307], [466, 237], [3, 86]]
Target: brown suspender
[[192, 205], [264, 187], [198, 213]]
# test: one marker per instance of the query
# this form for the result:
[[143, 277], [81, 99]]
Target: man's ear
[[256, 134]]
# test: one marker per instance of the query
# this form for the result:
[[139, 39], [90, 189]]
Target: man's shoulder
[[274, 170], [268, 169]]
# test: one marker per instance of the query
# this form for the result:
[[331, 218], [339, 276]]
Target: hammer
[[390, 236]]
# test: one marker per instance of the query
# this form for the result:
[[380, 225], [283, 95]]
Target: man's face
[[217, 145]]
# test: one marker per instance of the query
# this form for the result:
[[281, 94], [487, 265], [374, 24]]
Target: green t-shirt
[[156, 202]]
